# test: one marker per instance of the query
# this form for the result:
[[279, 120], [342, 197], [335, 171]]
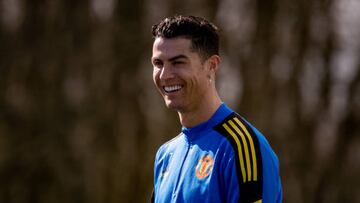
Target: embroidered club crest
[[204, 167]]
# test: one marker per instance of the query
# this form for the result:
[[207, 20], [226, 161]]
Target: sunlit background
[[80, 120]]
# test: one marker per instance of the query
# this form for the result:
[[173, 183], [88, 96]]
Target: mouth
[[172, 88]]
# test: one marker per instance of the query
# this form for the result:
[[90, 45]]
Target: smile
[[173, 88]]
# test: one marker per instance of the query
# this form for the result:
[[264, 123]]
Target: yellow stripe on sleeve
[[239, 150], [246, 150], [251, 147], [259, 201]]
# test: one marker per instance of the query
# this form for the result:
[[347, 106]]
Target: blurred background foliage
[[80, 120]]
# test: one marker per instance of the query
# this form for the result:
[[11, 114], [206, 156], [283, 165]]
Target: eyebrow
[[181, 56], [178, 57]]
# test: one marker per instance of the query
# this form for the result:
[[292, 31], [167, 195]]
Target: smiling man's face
[[179, 73]]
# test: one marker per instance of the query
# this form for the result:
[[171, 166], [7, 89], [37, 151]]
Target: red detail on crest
[[204, 167]]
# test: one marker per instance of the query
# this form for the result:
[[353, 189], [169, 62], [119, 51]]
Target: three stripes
[[248, 156], [245, 144]]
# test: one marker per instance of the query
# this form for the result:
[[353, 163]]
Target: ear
[[213, 64]]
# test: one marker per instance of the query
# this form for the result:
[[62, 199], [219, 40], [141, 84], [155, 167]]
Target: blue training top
[[224, 159]]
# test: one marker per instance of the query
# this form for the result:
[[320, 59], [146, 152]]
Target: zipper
[[174, 194]]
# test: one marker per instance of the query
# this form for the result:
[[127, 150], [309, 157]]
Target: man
[[218, 156]]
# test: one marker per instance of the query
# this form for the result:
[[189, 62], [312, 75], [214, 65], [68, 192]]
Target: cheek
[[201, 84], [155, 75], [156, 78]]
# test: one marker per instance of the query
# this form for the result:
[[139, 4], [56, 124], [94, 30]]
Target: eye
[[178, 62], [157, 63]]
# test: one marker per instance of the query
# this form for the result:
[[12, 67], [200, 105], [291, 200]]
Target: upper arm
[[245, 167]]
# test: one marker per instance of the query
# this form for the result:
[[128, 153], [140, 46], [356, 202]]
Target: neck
[[200, 113]]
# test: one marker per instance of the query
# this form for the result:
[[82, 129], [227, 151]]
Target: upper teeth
[[172, 88]]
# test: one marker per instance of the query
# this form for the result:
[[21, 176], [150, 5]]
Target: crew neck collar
[[220, 114]]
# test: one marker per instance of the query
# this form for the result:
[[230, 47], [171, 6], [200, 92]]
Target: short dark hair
[[203, 34]]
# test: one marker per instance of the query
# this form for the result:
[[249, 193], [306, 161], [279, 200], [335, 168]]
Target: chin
[[173, 105]]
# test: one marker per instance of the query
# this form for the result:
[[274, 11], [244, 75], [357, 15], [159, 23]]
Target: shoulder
[[245, 143], [266, 149], [252, 154], [241, 133]]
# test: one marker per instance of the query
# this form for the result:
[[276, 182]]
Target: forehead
[[166, 48]]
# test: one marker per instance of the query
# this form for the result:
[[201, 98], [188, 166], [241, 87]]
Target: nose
[[166, 73]]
